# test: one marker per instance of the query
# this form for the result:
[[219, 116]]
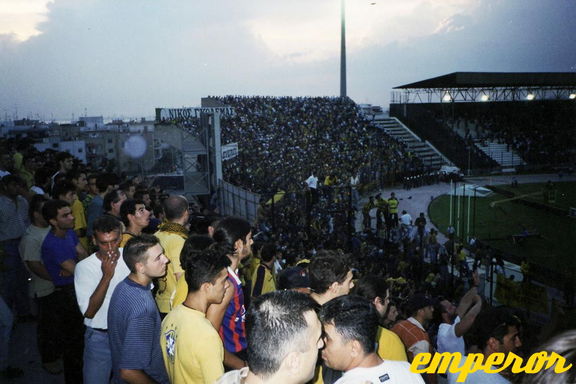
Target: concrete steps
[[422, 149], [508, 159]]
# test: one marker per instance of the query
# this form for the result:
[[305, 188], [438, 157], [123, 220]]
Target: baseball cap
[[293, 277]]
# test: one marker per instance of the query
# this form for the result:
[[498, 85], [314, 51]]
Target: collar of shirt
[[234, 275], [416, 323]]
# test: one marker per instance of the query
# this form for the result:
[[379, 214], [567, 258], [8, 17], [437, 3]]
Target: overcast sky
[[123, 58]]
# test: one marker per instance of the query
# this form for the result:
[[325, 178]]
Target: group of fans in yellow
[[130, 294]]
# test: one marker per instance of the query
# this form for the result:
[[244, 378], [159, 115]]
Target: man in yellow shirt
[[172, 235], [135, 217], [263, 279], [192, 349]]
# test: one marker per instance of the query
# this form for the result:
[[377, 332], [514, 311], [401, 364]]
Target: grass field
[[565, 196], [553, 248]]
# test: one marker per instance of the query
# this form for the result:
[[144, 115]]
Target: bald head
[[176, 208]]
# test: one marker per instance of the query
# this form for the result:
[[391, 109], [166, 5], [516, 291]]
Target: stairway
[[424, 150], [498, 152]]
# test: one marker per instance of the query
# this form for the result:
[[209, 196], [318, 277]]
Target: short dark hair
[[128, 207], [75, 174], [204, 267], [174, 207], [42, 176], [105, 224], [140, 193], [51, 208], [135, 250], [275, 326], [268, 252], [103, 180], [193, 245], [494, 322], [371, 287], [111, 198], [62, 188], [354, 318], [13, 179], [125, 186], [231, 229], [35, 205], [61, 156], [327, 268]]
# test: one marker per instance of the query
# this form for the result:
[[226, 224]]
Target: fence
[[235, 201]]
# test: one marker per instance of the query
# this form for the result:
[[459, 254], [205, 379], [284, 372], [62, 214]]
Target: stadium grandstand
[[496, 121], [283, 140]]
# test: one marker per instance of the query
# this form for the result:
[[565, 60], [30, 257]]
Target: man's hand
[[109, 262], [64, 273]]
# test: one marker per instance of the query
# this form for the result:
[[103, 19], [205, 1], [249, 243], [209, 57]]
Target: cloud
[[498, 36], [124, 58]]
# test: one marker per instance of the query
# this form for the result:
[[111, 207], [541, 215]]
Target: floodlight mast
[[343, 48]]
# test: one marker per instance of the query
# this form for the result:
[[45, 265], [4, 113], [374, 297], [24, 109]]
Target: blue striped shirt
[[134, 332]]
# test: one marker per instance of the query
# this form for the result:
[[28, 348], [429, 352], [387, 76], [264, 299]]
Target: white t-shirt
[[31, 250], [406, 219], [312, 182], [478, 377], [447, 339], [37, 190], [87, 275], [389, 372]]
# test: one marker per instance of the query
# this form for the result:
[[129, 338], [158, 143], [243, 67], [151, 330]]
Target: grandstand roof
[[496, 79]]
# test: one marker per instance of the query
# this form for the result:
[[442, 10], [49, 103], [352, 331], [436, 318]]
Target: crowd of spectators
[[282, 140], [405, 274]]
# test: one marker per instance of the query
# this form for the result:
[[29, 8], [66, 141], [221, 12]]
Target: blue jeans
[[97, 357]]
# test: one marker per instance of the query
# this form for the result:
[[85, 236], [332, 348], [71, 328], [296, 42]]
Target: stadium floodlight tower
[[343, 48]]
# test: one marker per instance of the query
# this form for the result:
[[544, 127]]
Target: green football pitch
[[551, 242]]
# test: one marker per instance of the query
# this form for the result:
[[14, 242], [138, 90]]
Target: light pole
[[343, 48]]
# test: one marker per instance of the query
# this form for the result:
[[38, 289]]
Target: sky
[[122, 59]]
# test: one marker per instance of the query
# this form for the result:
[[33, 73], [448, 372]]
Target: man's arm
[[136, 376], [38, 269], [467, 321], [469, 297], [81, 252], [97, 298], [68, 266], [232, 361], [215, 312]]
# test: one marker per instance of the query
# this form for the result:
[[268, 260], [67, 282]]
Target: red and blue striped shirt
[[233, 328]]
